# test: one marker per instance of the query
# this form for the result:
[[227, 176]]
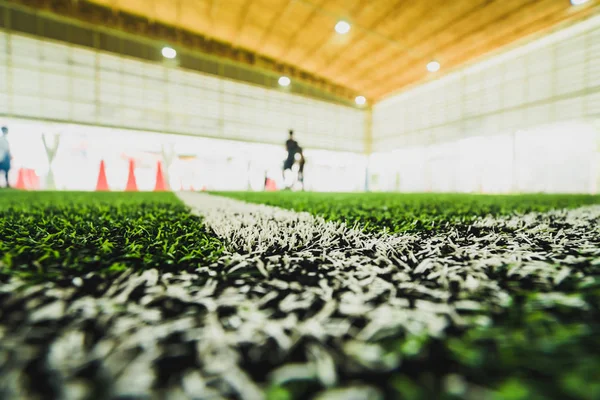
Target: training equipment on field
[[241, 298], [102, 183], [21, 184], [131, 181], [270, 185], [32, 179], [161, 184]]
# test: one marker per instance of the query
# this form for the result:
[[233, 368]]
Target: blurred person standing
[[292, 148], [301, 162], [5, 155]]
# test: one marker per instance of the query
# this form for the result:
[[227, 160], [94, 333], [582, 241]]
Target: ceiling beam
[[212, 12], [536, 22], [360, 69], [353, 14], [514, 12], [305, 23], [101, 17], [274, 21], [364, 32], [178, 12], [242, 22]]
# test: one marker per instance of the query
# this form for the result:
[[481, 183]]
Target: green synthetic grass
[[528, 351], [410, 212], [60, 235]]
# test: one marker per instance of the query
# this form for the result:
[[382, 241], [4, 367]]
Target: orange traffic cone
[[161, 185], [27, 178], [270, 186], [21, 180], [102, 185], [131, 181], [31, 179], [36, 180]]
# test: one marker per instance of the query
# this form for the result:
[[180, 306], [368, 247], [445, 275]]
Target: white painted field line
[[291, 283], [449, 271]]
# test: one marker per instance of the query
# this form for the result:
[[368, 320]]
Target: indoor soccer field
[[299, 200], [299, 295]]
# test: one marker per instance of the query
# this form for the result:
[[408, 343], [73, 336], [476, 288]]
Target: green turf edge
[[398, 212], [50, 236]]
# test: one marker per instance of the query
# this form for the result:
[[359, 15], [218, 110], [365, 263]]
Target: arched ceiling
[[390, 42]]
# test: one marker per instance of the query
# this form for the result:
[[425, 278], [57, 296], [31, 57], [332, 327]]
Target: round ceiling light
[[284, 81], [169, 52], [342, 27], [433, 66], [360, 100]]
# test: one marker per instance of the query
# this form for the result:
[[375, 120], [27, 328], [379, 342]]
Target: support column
[[168, 156], [8, 65], [51, 142], [368, 143]]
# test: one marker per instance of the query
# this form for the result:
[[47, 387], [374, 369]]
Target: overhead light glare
[[284, 81], [342, 27], [578, 2], [360, 100], [433, 66], [169, 52]]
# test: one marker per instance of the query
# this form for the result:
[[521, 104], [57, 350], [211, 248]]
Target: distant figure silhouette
[[301, 163], [5, 156], [292, 149]]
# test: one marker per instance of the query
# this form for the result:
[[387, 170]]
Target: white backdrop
[[555, 158], [199, 163], [521, 121], [52, 81]]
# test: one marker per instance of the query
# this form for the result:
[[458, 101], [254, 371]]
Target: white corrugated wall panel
[[540, 91], [54, 81]]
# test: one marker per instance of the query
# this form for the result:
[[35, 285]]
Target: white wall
[[214, 164], [46, 80], [522, 121]]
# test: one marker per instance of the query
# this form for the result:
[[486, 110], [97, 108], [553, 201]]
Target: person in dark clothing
[[5, 156], [292, 148], [301, 163]]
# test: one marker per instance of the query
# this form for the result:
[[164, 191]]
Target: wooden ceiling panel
[[314, 37], [349, 54], [332, 48], [458, 45], [426, 46], [309, 28], [439, 19], [343, 8], [315, 62], [250, 35], [367, 12], [291, 21], [469, 48], [389, 45], [262, 15], [476, 29], [405, 15], [194, 15], [170, 13]]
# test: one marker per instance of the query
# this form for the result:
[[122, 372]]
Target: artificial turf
[[61, 235], [411, 212], [544, 343], [533, 349]]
